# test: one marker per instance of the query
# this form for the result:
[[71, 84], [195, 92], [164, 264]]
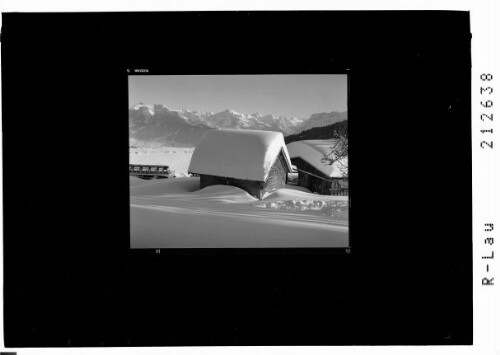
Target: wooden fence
[[149, 171], [340, 192]]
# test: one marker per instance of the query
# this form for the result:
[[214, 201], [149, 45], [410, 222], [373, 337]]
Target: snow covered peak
[[257, 115], [196, 112], [233, 112], [140, 105], [149, 107], [230, 118]]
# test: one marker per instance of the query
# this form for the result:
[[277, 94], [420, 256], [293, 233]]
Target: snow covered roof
[[241, 154], [312, 151]]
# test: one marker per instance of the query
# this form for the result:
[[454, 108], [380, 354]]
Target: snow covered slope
[[324, 119], [157, 123], [174, 213], [241, 154]]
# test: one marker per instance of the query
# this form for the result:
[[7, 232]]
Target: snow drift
[[175, 213]]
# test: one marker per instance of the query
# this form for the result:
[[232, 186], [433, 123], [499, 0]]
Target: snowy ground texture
[[175, 213]]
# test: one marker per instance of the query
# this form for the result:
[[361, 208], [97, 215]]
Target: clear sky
[[286, 95]]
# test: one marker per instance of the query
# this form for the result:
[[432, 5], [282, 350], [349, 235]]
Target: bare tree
[[338, 154]]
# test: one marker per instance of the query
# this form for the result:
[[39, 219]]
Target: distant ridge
[[150, 123], [325, 132]]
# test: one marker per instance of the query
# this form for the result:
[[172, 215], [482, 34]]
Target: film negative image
[[238, 161]]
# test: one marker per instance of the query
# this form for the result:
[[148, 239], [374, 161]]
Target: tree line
[[325, 132]]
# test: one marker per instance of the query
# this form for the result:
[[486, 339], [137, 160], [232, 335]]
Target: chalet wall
[[316, 184], [277, 175]]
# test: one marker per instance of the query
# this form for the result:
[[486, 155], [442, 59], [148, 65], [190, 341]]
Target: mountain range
[[158, 123]]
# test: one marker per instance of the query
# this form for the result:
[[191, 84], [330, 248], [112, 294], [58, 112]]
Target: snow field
[[298, 199], [337, 210], [175, 213]]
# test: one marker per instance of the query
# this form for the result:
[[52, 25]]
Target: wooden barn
[[315, 175], [255, 161]]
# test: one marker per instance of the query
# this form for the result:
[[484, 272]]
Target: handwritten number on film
[[487, 104], [487, 116]]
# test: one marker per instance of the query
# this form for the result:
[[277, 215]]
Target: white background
[[485, 161]]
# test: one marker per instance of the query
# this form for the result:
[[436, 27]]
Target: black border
[[67, 278]]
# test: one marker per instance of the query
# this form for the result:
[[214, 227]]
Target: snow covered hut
[[255, 161], [315, 175]]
